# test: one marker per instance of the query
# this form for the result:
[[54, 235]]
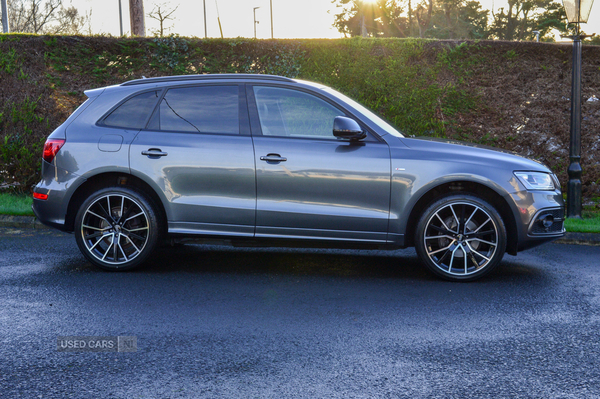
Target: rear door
[[309, 183], [197, 151]]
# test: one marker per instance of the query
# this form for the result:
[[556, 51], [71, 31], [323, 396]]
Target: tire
[[117, 228], [460, 237]]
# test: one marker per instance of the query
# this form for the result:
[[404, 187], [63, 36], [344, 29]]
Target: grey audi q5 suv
[[267, 160]]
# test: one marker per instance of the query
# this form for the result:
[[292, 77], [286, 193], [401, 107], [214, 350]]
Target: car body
[[267, 160]]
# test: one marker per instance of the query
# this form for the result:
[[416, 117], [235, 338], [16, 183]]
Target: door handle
[[154, 152], [273, 158]]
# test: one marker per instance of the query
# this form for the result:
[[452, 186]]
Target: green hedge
[[423, 87]]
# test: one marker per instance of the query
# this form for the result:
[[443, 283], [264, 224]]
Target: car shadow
[[286, 261], [212, 259], [399, 264], [190, 269]]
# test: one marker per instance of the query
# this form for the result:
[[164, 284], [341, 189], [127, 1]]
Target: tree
[[554, 17], [523, 17], [162, 13], [518, 20], [452, 19], [423, 14], [68, 22], [44, 16], [383, 18], [458, 20], [444, 19], [31, 16]]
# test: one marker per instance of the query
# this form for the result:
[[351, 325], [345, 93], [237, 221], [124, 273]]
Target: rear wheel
[[117, 228], [461, 238]]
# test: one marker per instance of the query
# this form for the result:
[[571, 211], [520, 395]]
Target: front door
[[309, 183]]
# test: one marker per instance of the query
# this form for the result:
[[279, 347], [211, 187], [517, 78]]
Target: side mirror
[[346, 128]]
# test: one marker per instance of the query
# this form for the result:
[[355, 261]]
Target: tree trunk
[[410, 17], [136, 13]]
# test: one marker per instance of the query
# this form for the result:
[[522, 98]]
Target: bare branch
[[162, 13]]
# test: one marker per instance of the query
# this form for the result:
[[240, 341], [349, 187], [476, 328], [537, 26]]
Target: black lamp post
[[578, 12]]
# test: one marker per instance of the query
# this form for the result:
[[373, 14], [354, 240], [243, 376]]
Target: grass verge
[[13, 204], [20, 205], [590, 223]]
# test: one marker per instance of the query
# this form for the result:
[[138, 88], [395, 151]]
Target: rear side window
[[133, 113], [205, 109]]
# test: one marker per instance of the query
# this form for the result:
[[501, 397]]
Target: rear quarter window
[[134, 112]]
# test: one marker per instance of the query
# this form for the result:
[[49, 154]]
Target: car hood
[[459, 151]]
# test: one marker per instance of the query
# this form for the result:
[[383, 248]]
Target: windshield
[[366, 112]]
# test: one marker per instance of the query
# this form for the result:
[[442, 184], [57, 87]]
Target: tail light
[[51, 147]]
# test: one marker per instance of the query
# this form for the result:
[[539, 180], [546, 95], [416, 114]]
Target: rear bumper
[[59, 185], [47, 214]]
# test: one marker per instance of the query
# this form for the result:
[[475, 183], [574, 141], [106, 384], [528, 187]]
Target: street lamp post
[[120, 18], [255, 21], [5, 27], [205, 29], [271, 5], [577, 12]]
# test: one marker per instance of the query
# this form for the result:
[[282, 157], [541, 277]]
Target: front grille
[[559, 216], [556, 227]]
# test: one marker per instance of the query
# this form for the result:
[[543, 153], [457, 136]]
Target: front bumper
[[531, 207]]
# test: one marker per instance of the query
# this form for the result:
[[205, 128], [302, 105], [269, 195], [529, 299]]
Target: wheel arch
[[474, 188], [110, 179]]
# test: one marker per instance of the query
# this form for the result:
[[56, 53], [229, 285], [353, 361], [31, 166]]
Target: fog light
[[546, 221]]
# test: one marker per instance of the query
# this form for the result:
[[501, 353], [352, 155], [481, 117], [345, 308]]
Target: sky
[[291, 18]]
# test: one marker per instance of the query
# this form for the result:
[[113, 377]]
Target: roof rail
[[215, 76]]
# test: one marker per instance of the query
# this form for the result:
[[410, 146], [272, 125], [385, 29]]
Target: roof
[[179, 78]]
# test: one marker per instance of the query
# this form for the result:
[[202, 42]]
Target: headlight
[[536, 180], [556, 181]]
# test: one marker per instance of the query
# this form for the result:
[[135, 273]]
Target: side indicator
[[40, 196]]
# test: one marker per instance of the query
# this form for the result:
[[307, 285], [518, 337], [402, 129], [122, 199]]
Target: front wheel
[[117, 228], [460, 238]]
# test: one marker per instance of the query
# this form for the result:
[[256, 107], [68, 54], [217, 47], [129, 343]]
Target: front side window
[[385, 126], [285, 112], [206, 109], [133, 113]]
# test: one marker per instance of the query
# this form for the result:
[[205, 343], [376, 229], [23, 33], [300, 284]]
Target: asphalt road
[[216, 322]]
